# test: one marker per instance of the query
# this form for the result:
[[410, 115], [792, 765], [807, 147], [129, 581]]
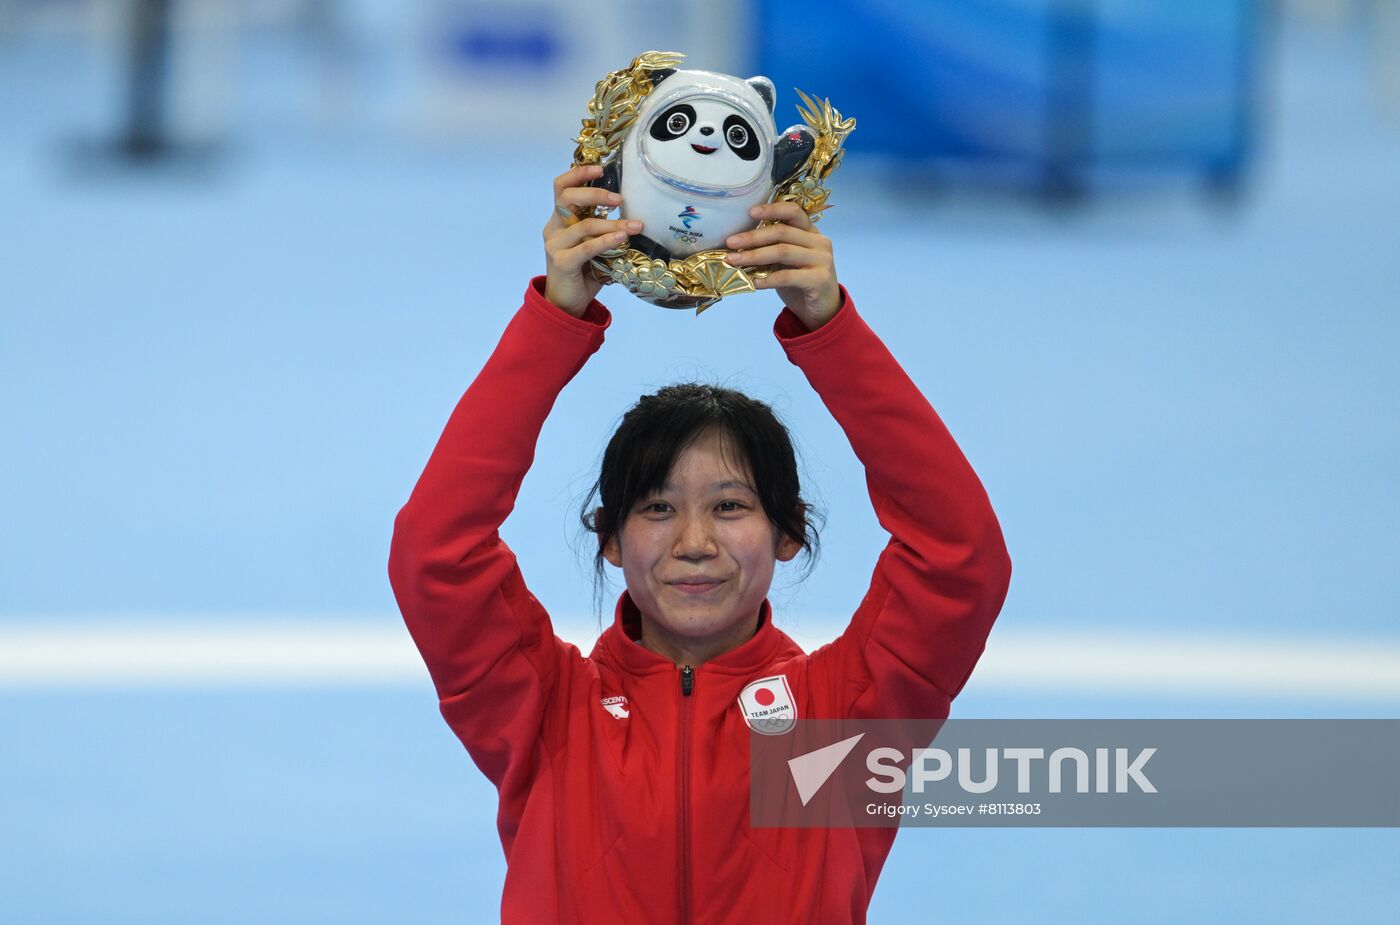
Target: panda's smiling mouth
[[704, 150]]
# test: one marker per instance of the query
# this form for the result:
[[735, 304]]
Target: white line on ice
[[358, 651]]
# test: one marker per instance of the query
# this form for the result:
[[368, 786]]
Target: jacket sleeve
[[488, 644], [941, 580]]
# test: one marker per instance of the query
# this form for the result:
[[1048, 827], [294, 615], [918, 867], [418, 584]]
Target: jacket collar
[[622, 648]]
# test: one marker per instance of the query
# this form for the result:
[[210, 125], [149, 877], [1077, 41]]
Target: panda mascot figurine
[[701, 153]]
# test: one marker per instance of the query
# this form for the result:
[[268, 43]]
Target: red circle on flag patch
[[764, 696]]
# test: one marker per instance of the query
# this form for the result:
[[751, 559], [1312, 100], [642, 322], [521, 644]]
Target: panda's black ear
[[611, 180], [764, 88], [661, 74], [791, 151]]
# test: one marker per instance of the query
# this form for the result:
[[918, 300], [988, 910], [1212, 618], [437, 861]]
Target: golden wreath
[[702, 279]]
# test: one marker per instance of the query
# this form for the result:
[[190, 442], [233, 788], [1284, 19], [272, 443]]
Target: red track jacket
[[645, 818]]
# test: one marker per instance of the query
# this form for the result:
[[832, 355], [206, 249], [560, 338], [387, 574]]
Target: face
[[705, 140], [698, 554]]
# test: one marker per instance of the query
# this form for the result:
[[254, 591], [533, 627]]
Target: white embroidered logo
[[617, 706], [768, 705]]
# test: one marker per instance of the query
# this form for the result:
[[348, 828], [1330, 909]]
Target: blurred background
[[1142, 256]]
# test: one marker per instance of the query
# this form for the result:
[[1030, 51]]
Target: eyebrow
[[715, 486]]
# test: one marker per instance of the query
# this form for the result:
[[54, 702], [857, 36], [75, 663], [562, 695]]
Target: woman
[[623, 776]]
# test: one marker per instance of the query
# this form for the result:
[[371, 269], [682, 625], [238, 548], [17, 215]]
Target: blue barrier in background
[[1039, 90]]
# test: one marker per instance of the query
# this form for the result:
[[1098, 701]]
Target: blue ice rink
[[214, 396]]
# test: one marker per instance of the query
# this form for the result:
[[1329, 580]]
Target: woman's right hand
[[570, 245]]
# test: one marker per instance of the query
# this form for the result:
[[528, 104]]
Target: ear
[[764, 88], [788, 548], [612, 550]]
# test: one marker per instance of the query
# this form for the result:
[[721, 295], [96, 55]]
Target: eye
[[730, 507], [655, 507], [673, 123], [741, 138]]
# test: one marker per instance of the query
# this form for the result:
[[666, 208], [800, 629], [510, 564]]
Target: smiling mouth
[[704, 150], [699, 587]]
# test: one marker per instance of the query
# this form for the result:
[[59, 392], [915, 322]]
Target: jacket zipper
[[687, 688]]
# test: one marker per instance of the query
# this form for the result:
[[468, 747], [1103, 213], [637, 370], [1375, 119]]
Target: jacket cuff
[[793, 334], [596, 316]]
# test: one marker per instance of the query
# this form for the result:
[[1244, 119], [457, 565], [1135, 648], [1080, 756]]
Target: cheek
[[638, 546], [757, 550]]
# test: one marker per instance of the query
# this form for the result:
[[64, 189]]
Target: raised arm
[[941, 580], [487, 642], [456, 581]]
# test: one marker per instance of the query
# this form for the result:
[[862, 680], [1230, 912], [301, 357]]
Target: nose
[[695, 540], [707, 130]]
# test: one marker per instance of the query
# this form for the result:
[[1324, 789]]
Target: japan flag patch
[[768, 705]]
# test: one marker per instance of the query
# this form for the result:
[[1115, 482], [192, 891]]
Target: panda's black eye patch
[[673, 123], [741, 138]]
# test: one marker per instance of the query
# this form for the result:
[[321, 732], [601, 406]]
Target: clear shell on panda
[[698, 158]]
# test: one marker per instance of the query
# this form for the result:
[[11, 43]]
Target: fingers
[[570, 242], [592, 227], [575, 177], [789, 212], [803, 263], [779, 244], [774, 234], [569, 248], [770, 234], [572, 197], [792, 242], [579, 197], [788, 255], [571, 259]]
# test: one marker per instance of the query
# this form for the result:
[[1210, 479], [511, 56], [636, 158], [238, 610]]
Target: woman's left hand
[[806, 274]]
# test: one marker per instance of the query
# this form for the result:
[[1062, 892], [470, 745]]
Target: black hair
[[661, 426]]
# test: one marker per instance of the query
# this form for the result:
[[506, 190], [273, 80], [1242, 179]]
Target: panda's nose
[[707, 130]]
